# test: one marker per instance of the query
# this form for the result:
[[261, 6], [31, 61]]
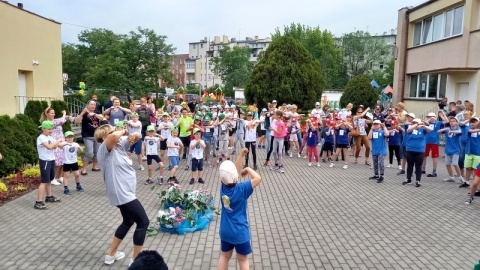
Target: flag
[[374, 84]]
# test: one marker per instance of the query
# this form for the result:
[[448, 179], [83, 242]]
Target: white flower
[[161, 213]]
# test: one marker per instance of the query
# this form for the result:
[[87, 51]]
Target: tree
[[359, 91], [321, 46], [73, 64], [233, 66], [287, 73], [361, 51]]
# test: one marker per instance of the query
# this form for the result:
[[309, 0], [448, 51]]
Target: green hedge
[[17, 142], [34, 109]]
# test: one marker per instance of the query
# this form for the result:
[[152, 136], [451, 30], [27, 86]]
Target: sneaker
[[187, 168], [141, 168], [389, 165], [345, 166], [407, 182], [331, 165], [111, 259], [309, 164], [149, 181], [469, 200], [80, 188], [449, 179], [318, 164], [160, 180], [380, 179], [417, 184], [55, 182], [424, 172], [373, 177], [265, 163], [299, 156], [477, 193], [281, 170], [230, 148], [461, 179], [201, 181], [274, 168], [464, 185], [255, 167], [184, 157], [60, 180], [40, 206], [52, 199], [400, 167], [291, 155], [306, 156], [401, 172], [324, 160], [432, 174], [192, 181], [67, 192]]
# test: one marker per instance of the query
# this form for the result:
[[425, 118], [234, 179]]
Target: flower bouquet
[[170, 218], [172, 197]]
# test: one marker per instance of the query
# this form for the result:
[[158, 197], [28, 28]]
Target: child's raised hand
[[131, 138], [244, 172], [244, 151]]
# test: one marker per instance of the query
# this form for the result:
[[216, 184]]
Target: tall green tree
[[287, 73], [73, 64], [359, 91], [233, 66], [321, 46], [361, 52]]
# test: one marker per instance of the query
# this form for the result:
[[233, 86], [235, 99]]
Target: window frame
[[427, 85]]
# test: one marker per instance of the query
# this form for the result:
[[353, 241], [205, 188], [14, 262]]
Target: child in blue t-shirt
[[472, 157], [452, 149], [378, 134], [234, 229], [394, 143], [341, 140], [329, 141], [312, 141]]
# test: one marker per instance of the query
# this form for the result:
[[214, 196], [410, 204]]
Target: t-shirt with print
[[115, 116], [361, 126], [173, 152], [473, 144], [250, 132], [341, 135], [394, 136], [328, 138], [151, 145], [233, 221], [44, 153], [452, 142], [165, 129], [379, 143], [118, 174], [89, 125], [131, 129], [185, 123], [197, 152], [223, 131], [293, 132], [208, 131], [262, 125], [312, 137], [416, 140], [70, 153], [280, 126], [433, 137]]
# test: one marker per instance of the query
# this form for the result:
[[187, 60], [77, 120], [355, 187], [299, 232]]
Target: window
[[428, 85], [190, 65], [440, 26], [176, 76], [176, 67], [201, 76], [380, 66], [201, 65], [194, 46], [201, 45]]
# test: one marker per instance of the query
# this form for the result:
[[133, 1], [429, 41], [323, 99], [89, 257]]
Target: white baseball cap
[[264, 110], [431, 114], [274, 101], [411, 115], [227, 107], [377, 122], [417, 120], [317, 103], [228, 172]]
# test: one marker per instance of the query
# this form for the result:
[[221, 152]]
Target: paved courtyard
[[307, 218]]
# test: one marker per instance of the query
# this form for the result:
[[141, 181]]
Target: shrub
[[58, 106], [3, 187], [32, 172], [20, 188], [358, 91], [34, 109]]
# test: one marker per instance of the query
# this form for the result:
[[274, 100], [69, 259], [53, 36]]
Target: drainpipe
[[405, 54]]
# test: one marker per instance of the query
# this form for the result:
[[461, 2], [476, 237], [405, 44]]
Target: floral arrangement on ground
[[184, 211]]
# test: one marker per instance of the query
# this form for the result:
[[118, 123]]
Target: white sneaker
[[144, 158], [449, 179], [331, 165], [345, 166], [318, 164], [309, 164], [60, 179], [389, 165], [55, 182], [299, 156], [111, 259], [400, 167], [291, 155], [305, 156], [141, 168], [131, 261]]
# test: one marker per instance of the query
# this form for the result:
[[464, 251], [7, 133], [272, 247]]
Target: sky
[[184, 21]]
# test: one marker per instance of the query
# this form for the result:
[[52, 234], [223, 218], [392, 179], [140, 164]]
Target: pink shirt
[[280, 126]]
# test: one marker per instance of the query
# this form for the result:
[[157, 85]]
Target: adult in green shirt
[[185, 123]]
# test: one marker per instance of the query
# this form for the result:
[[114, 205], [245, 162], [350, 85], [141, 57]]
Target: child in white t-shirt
[[251, 138], [151, 144], [70, 162], [197, 146], [135, 126], [174, 145], [164, 128]]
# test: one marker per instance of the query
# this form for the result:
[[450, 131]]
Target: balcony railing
[[22, 101]]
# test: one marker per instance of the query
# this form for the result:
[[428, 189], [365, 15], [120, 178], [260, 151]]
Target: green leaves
[[359, 91]]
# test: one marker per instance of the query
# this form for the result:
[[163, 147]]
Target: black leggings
[[133, 212], [414, 159], [186, 144], [391, 150], [251, 146], [271, 148]]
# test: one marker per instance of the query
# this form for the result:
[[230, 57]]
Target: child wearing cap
[[251, 125], [407, 123], [120, 125], [293, 138], [174, 145], [311, 142], [329, 140], [70, 162], [341, 140], [151, 143], [415, 149], [234, 227], [164, 128], [432, 141], [378, 135], [197, 146], [223, 128], [208, 137], [452, 149], [45, 146], [134, 126], [395, 133], [239, 136], [197, 123], [472, 157]]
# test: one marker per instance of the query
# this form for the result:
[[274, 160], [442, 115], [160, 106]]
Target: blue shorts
[[197, 164], [137, 146], [174, 160], [242, 249]]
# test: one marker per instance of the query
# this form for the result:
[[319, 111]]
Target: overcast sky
[[184, 21]]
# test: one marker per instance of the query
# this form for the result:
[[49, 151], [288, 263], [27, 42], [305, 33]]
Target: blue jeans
[[268, 139]]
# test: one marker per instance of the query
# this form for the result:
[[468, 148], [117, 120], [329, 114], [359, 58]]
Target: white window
[[176, 76], [190, 64], [194, 46], [440, 26], [428, 85]]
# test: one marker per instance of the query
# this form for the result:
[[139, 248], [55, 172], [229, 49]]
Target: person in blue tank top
[[378, 135], [452, 149], [472, 157], [433, 140], [234, 228], [406, 125], [415, 147], [394, 143]]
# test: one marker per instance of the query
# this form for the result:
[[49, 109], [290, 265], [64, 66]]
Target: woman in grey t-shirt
[[121, 182]]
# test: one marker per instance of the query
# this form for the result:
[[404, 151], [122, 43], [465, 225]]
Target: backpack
[[143, 116]]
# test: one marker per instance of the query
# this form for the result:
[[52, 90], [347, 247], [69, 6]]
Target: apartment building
[[198, 69], [437, 54]]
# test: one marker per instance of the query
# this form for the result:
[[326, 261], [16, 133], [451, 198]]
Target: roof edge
[[35, 14]]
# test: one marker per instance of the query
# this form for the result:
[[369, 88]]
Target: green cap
[[120, 124], [46, 124], [69, 134], [200, 113], [197, 106], [151, 128], [133, 114], [207, 118], [221, 116], [195, 130], [174, 128], [165, 114], [209, 114], [198, 117]]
